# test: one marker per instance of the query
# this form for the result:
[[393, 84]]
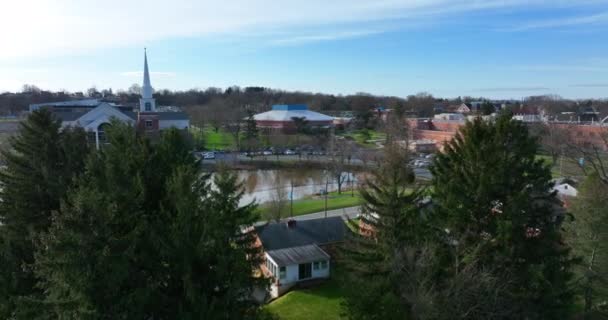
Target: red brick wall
[[442, 131], [142, 117], [586, 134]]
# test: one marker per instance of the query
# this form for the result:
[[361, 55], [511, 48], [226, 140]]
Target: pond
[[265, 185]]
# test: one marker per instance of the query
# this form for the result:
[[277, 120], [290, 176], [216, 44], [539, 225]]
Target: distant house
[[450, 117], [566, 190], [565, 187], [299, 251], [463, 108], [528, 114]]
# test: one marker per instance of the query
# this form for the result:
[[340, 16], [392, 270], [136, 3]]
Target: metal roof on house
[[288, 112], [297, 255], [69, 115], [275, 236]]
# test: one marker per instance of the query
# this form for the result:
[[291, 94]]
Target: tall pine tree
[[492, 194], [391, 213], [144, 236], [41, 163]]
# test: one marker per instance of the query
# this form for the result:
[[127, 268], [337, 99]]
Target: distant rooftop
[[71, 103], [284, 112], [290, 107]]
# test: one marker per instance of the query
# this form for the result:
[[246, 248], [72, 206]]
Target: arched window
[[148, 106], [101, 132]]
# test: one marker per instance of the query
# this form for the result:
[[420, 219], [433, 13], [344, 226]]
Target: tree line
[[261, 98]]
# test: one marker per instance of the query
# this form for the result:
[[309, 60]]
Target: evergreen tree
[[399, 271], [41, 163], [590, 241], [144, 236], [492, 194], [390, 211]]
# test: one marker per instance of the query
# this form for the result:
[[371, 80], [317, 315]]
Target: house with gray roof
[[299, 251]]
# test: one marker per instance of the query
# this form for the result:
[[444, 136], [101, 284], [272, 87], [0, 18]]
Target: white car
[[289, 152], [267, 153], [209, 155]]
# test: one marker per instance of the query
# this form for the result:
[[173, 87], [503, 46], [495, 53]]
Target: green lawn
[[220, 140], [322, 302], [314, 204], [363, 137], [565, 167]]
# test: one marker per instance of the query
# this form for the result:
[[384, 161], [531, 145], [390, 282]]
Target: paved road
[[350, 212]]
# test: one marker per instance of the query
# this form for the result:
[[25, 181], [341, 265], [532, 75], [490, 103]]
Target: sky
[[449, 48]]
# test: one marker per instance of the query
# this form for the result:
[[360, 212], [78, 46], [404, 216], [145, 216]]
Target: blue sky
[[498, 49]]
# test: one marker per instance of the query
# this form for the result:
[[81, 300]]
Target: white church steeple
[[147, 102]]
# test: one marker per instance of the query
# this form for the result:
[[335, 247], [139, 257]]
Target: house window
[[91, 136], [324, 264], [148, 106], [282, 272], [315, 265], [149, 124]]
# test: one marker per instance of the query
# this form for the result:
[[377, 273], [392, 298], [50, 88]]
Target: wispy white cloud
[[513, 89], [140, 74], [307, 38], [594, 19], [564, 68], [590, 85], [48, 27]]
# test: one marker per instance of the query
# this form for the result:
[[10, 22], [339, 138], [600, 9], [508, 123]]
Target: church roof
[[68, 116]]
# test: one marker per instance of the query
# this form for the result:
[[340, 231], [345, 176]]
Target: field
[[364, 136], [314, 204], [322, 302], [212, 140]]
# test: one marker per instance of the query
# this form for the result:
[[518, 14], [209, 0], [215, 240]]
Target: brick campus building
[[442, 131]]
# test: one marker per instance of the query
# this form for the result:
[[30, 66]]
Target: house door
[[305, 271]]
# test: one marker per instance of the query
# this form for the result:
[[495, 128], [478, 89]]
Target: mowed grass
[[220, 140], [363, 136], [314, 204], [321, 302], [563, 167]]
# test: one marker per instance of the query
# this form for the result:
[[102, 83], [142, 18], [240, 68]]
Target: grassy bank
[[314, 204]]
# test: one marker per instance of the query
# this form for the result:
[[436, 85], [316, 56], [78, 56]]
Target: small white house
[[565, 190], [298, 251], [292, 265]]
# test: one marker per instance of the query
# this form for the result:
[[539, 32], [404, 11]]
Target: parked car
[[209, 155], [267, 153], [290, 152]]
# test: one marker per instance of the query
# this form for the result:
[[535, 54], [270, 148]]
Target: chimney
[[291, 223]]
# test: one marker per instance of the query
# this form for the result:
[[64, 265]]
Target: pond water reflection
[[261, 185]]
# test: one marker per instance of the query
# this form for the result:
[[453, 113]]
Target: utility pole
[[326, 193], [291, 198]]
